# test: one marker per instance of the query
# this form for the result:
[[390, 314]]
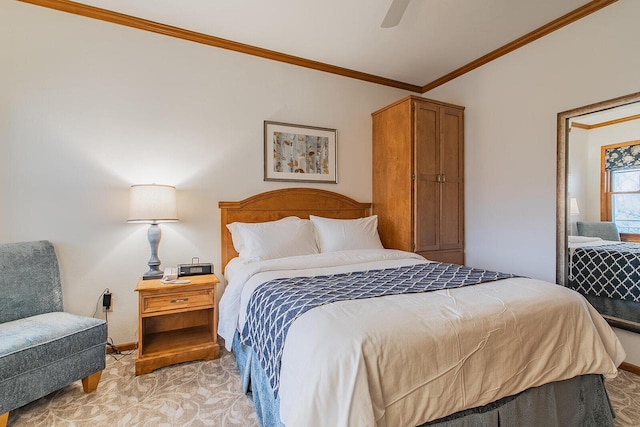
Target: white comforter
[[585, 242], [403, 360]]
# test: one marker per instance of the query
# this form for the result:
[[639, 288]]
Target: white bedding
[[575, 242], [585, 242], [243, 277], [403, 360]]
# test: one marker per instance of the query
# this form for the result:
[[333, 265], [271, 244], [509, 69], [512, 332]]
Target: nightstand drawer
[[177, 301]]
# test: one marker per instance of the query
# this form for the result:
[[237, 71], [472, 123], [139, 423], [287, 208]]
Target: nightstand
[[176, 322]]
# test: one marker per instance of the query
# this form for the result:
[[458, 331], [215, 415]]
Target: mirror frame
[[562, 255]]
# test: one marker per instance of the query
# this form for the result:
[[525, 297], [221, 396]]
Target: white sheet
[[405, 359]]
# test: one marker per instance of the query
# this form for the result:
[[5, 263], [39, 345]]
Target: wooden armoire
[[418, 177]]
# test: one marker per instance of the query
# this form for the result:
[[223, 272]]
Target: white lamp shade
[[152, 203], [573, 209]]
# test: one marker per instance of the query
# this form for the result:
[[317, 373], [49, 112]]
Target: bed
[[607, 273], [509, 351]]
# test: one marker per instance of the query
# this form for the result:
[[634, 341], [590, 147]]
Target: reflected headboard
[[277, 204]]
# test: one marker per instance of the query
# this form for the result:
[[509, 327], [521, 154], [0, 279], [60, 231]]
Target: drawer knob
[[173, 301]]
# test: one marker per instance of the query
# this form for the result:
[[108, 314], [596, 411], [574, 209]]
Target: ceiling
[[434, 38]]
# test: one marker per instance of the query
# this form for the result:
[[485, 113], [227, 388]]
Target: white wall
[[510, 133], [577, 173], [89, 108], [592, 178]]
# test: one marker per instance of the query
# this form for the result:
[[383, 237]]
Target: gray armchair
[[42, 348], [604, 230]]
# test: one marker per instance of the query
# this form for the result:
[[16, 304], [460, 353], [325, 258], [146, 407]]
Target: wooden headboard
[[277, 204]]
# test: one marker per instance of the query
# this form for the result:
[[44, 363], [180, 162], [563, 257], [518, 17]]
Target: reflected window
[[625, 200]]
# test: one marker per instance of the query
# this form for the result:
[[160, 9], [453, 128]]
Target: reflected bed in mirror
[[596, 143], [607, 273]]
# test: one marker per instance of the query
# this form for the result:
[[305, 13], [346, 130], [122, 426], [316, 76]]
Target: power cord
[[114, 349], [106, 290], [116, 353]]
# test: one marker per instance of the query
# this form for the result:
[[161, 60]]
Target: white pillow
[[346, 234], [289, 236]]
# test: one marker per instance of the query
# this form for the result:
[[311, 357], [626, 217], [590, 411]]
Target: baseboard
[[133, 345], [630, 368], [122, 347]]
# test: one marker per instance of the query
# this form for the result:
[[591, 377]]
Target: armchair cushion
[[604, 230], [38, 341], [40, 354], [30, 280]]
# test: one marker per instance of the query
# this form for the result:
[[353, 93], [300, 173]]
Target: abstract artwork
[[299, 153]]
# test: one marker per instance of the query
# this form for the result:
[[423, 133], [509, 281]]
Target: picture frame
[[300, 153]]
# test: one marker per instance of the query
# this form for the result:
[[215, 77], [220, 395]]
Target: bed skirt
[[627, 311], [581, 401]]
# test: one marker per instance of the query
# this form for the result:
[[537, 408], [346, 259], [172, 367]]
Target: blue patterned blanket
[[276, 304], [611, 271]]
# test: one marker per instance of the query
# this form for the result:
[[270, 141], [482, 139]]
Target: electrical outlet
[[107, 301]]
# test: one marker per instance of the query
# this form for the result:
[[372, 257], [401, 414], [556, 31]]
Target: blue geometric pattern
[[276, 304], [611, 271]]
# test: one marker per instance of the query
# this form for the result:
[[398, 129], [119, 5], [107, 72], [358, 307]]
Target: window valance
[[622, 157]]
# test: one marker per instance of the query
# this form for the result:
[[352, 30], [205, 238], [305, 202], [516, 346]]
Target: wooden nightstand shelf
[[176, 322]]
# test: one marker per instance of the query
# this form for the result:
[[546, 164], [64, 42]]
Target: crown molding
[[607, 123], [171, 31], [180, 33], [534, 35], [579, 126]]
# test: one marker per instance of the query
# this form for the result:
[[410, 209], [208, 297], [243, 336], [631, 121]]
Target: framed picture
[[299, 153]]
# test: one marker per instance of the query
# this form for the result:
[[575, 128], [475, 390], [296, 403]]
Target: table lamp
[[573, 209], [153, 203]]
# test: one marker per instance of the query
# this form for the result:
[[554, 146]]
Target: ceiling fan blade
[[394, 14]]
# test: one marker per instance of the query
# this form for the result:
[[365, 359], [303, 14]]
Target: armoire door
[[427, 191], [451, 178]]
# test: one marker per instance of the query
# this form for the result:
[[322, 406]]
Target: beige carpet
[[200, 394]]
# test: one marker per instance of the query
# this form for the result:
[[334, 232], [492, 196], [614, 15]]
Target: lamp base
[[151, 275], [154, 234]]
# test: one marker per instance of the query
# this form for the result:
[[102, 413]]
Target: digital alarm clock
[[196, 268]]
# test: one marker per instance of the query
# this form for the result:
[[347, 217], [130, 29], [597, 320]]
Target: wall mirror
[[598, 207]]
